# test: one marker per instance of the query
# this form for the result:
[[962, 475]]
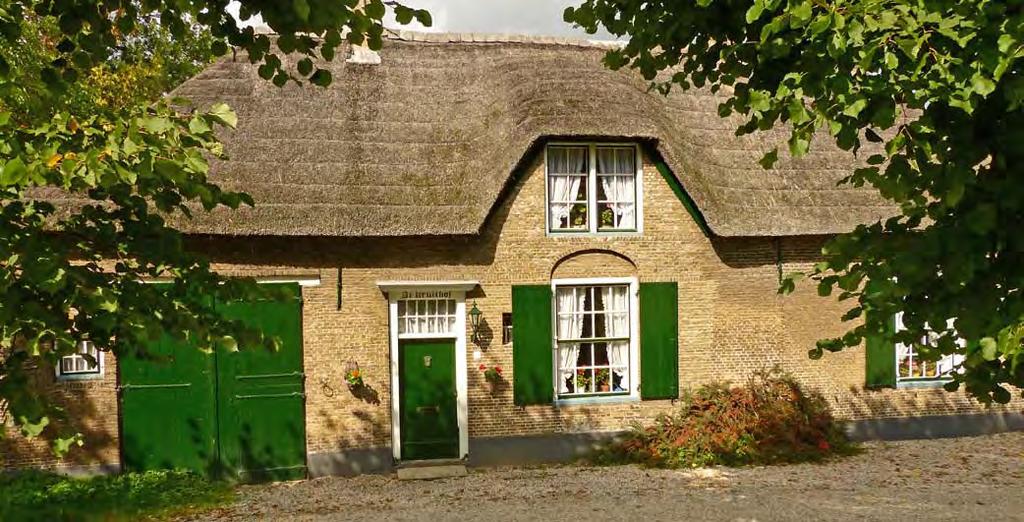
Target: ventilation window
[[506, 328]]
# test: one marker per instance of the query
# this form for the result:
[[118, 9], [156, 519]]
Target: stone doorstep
[[431, 469]]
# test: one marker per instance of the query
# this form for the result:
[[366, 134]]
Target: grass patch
[[769, 420], [36, 495]]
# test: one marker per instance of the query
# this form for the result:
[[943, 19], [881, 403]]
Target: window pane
[[616, 160], [600, 354], [567, 160], [587, 312]]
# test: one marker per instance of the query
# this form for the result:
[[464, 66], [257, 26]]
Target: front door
[[428, 399]]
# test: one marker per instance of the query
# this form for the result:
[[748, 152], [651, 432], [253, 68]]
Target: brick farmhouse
[[458, 203]]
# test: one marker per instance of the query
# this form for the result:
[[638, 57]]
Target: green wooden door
[[428, 406], [239, 414], [168, 411], [261, 399]]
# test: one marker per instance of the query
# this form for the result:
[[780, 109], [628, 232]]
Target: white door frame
[[398, 290]]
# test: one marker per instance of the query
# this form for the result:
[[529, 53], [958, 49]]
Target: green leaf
[[223, 114], [32, 429], [424, 18], [982, 85], [322, 78], [754, 12], [375, 9], [854, 109], [802, 12], [989, 348], [891, 60], [821, 23], [403, 15], [301, 9], [768, 160], [156, 124], [798, 145], [198, 125], [14, 173]]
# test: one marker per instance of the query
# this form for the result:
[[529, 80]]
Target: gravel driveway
[[979, 478]]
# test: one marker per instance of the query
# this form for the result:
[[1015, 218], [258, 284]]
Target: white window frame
[[450, 317], [919, 382], [83, 346], [593, 219], [633, 393]]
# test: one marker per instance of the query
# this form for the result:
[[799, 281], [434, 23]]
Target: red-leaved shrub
[[769, 420]]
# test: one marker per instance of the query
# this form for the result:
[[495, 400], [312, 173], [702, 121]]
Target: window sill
[[924, 384], [589, 401], [79, 377], [593, 235]]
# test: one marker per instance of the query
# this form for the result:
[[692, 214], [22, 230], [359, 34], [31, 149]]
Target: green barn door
[[261, 399], [168, 411], [428, 405], [240, 412]]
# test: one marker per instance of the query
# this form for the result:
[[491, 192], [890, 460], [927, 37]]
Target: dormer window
[[593, 188]]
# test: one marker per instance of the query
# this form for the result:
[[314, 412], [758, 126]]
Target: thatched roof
[[424, 142]]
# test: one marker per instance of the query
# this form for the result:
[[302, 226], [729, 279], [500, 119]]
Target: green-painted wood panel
[[168, 409], [428, 399], [880, 358], [240, 414], [659, 340], [532, 359], [261, 397]]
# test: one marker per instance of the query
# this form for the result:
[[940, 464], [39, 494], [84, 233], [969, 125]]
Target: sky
[[535, 17]]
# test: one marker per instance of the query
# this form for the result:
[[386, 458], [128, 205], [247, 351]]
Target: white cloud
[[534, 17], [255, 21]]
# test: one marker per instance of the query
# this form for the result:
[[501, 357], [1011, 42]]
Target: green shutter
[[532, 357], [880, 357], [659, 340]]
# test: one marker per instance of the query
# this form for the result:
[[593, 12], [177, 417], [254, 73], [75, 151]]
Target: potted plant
[[354, 378], [583, 380], [607, 218], [579, 218], [491, 374], [603, 379]]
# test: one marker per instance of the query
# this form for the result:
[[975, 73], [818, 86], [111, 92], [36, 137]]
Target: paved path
[[953, 479]]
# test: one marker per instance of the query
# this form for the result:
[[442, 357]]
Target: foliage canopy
[[81, 115], [930, 92]]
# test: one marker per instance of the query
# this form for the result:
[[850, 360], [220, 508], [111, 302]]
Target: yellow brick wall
[[91, 405], [732, 321]]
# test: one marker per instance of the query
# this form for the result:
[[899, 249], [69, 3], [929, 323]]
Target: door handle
[[428, 409]]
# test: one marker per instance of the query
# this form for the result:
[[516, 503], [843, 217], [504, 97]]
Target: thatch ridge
[[423, 143]]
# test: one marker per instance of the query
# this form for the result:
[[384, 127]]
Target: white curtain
[[616, 320], [569, 302], [619, 188], [564, 189]]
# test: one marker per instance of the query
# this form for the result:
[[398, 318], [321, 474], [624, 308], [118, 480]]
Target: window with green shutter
[[659, 340], [531, 345]]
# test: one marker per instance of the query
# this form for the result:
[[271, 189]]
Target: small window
[[426, 317], [506, 328], [593, 338], [911, 367], [592, 188], [88, 362]]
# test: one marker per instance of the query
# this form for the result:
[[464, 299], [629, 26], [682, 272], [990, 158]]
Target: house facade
[[472, 203]]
